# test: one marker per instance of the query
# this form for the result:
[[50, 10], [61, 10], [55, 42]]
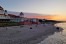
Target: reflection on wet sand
[[57, 38]]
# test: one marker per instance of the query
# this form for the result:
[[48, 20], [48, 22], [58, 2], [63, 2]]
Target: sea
[[57, 37]]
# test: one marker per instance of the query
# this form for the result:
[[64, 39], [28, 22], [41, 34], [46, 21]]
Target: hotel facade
[[5, 17]]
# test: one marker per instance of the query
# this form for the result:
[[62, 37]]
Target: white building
[[4, 16]]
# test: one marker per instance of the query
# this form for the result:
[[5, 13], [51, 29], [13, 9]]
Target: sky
[[51, 7]]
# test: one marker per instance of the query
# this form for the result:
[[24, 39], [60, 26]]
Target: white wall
[[1, 11], [4, 17]]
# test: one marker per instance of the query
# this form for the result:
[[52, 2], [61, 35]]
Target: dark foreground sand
[[25, 35]]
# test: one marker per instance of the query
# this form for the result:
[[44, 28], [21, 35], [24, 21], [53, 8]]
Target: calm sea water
[[58, 37]]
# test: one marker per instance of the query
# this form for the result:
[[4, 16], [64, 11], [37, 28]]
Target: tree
[[21, 14], [40, 21], [5, 12]]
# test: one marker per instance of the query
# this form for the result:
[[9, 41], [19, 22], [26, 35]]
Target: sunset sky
[[44, 7], [50, 17]]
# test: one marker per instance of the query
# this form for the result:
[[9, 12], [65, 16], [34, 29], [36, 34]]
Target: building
[[30, 21], [5, 17], [14, 18]]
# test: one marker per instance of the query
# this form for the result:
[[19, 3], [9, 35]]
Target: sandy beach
[[25, 35]]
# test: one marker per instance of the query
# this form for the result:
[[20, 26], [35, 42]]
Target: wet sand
[[25, 35], [57, 37]]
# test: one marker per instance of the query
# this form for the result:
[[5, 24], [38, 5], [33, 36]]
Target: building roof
[[11, 15], [14, 16], [1, 8]]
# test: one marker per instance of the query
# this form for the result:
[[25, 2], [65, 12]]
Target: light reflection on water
[[58, 37]]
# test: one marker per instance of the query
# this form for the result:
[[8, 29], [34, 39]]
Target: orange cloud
[[51, 17], [59, 17]]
